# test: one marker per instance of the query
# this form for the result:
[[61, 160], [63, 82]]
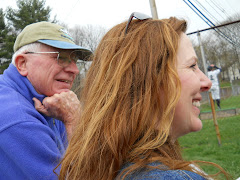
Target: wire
[[72, 9], [219, 7], [208, 21], [215, 9], [198, 14], [235, 12], [201, 13]]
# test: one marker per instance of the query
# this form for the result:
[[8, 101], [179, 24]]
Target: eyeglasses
[[64, 58], [137, 15]]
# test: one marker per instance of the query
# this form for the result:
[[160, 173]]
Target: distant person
[[43, 69], [142, 92], [213, 72]]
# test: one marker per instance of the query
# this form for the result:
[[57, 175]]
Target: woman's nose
[[205, 82]]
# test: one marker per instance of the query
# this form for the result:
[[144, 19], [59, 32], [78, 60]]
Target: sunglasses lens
[[141, 16], [137, 15]]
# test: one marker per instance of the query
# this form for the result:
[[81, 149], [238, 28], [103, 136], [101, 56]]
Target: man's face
[[46, 75]]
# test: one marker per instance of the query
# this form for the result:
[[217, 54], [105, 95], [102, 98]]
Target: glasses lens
[[75, 55], [79, 55], [137, 15], [64, 59], [141, 16]]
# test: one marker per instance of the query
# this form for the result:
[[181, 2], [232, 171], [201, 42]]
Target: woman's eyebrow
[[193, 58]]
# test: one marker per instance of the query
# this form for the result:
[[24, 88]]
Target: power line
[[212, 24], [197, 13], [72, 9], [235, 12], [215, 9], [220, 8], [200, 12], [214, 27]]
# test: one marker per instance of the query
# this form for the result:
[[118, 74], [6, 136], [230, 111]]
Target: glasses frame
[[58, 55], [137, 15]]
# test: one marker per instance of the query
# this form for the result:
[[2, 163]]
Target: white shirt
[[213, 76]]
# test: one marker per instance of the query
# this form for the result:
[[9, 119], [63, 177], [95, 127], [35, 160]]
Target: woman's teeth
[[196, 103]]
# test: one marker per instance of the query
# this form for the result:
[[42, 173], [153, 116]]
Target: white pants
[[215, 92]]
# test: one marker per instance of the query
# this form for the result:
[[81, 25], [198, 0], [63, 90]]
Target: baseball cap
[[50, 34]]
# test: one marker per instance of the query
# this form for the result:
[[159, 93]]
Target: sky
[[107, 13]]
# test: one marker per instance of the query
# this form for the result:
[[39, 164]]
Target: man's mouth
[[66, 81], [197, 104]]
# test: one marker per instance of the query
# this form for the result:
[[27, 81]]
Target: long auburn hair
[[129, 100]]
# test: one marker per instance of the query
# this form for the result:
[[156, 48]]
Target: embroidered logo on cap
[[66, 34]]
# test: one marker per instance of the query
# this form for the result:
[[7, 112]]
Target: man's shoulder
[[12, 101], [216, 71], [15, 109]]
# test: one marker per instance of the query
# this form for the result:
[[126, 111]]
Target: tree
[[87, 36], [2, 25], [28, 12], [3, 33], [221, 47]]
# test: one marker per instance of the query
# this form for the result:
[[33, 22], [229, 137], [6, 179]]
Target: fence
[[230, 103]]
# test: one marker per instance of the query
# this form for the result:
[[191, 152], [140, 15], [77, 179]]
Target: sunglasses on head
[[137, 15]]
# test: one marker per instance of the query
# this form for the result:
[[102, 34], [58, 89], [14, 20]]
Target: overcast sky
[[108, 13]]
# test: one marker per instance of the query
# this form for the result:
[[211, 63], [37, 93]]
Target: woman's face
[[193, 82]]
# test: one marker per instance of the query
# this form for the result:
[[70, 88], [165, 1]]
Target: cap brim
[[65, 45]]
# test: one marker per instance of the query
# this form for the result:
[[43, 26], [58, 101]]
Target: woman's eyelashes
[[194, 66]]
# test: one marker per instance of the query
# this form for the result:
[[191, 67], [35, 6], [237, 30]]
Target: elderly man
[[42, 72]]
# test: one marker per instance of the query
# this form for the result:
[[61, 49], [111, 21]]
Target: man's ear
[[21, 64]]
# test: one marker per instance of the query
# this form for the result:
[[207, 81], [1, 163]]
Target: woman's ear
[[21, 64]]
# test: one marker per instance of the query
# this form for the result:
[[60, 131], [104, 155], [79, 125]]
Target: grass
[[229, 103], [204, 146], [225, 84]]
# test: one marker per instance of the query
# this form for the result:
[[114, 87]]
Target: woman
[[142, 92]]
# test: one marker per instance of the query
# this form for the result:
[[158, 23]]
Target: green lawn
[[204, 146], [229, 103], [225, 84]]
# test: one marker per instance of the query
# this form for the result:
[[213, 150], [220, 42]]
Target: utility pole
[[202, 53], [153, 9]]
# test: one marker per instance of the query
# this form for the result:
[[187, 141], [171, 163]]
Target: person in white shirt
[[213, 72]]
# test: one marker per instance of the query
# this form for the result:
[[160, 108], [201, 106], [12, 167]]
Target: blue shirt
[[158, 174], [31, 144]]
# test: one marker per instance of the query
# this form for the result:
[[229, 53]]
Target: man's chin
[[62, 90], [58, 91]]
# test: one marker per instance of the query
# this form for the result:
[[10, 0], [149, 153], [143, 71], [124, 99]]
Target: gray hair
[[29, 47]]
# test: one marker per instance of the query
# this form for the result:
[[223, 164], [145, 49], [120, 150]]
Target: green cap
[[47, 33]]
